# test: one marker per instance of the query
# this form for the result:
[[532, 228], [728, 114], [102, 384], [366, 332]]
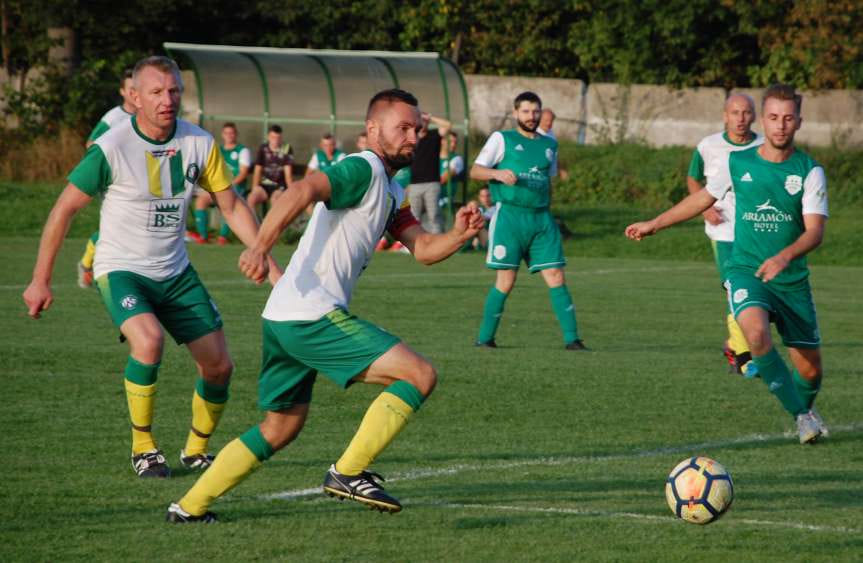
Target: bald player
[[709, 162]]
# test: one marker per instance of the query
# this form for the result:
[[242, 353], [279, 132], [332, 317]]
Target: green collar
[[729, 141], [148, 139]]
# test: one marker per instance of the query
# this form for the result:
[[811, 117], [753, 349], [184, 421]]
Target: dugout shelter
[[312, 91]]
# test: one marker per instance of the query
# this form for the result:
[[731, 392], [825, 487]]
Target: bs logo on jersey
[[166, 215]]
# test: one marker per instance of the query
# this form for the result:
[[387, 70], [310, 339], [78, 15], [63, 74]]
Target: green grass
[[526, 453]]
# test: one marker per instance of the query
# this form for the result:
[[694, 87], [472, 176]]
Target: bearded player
[[307, 327]]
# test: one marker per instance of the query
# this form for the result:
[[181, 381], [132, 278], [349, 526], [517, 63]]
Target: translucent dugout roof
[[310, 92]]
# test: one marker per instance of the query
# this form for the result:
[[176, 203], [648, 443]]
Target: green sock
[[491, 314], [561, 302], [201, 222], [775, 374], [807, 389], [225, 230]]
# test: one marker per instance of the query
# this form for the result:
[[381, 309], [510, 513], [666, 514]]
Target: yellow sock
[[141, 400], [205, 417], [89, 254], [386, 417], [736, 341], [231, 466]]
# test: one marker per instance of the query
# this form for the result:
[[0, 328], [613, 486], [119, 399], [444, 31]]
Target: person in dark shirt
[[273, 166], [424, 189]]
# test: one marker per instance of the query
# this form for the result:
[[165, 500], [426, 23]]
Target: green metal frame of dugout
[[312, 91]]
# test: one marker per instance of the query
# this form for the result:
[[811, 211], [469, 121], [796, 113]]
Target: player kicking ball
[[306, 324], [781, 210]]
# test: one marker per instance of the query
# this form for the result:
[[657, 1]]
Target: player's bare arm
[[430, 248], [243, 222], [256, 176], [805, 243], [688, 208], [289, 175], [443, 127], [711, 215], [482, 173], [241, 177], [287, 208], [38, 296]]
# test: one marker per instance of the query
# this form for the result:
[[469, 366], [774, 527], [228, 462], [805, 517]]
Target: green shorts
[[520, 233], [182, 303], [721, 253], [338, 344], [793, 310]]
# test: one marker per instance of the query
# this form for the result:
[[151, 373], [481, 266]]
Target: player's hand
[[713, 216], [38, 298], [638, 231], [505, 176], [468, 222], [253, 264], [771, 268], [275, 271]]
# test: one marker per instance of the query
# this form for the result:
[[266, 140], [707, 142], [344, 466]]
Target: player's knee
[[424, 378], [759, 341], [147, 347], [218, 372]]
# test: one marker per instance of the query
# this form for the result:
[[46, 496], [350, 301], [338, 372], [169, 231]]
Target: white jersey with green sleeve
[[710, 164], [147, 187], [111, 118], [771, 200], [340, 240]]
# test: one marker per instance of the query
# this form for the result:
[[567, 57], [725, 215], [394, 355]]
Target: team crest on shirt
[[192, 172], [793, 184], [166, 215], [234, 155]]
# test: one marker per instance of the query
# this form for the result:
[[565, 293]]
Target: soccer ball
[[699, 490]]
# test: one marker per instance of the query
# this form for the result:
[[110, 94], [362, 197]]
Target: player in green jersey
[[325, 155], [781, 210], [238, 159], [114, 116], [518, 165]]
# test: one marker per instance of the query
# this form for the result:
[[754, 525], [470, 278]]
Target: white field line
[[480, 272], [689, 449], [650, 517]]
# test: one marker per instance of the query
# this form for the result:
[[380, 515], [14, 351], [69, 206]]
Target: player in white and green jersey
[[781, 210], [325, 155], [710, 161], [238, 159], [115, 115], [307, 327], [147, 168], [518, 164]]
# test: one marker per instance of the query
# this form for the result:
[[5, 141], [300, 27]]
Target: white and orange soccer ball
[[699, 490]]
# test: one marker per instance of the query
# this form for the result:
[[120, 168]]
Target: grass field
[[528, 452]]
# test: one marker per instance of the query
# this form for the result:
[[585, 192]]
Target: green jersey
[[320, 161], [236, 158], [533, 161], [771, 200]]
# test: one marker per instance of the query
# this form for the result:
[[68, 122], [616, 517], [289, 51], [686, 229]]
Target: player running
[[518, 165], [709, 161], [307, 327], [147, 167], [781, 210], [238, 159], [111, 118]]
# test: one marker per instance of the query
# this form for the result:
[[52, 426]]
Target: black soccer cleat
[[177, 515], [577, 345], [487, 344], [151, 464], [362, 488], [196, 462]]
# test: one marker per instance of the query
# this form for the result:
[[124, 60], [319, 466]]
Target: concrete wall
[[655, 115]]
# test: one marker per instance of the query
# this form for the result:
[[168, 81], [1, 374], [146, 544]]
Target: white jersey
[[710, 162], [147, 186], [111, 118], [340, 240]]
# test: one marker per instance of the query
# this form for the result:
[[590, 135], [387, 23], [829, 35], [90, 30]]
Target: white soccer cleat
[[820, 422], [808, 429]]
